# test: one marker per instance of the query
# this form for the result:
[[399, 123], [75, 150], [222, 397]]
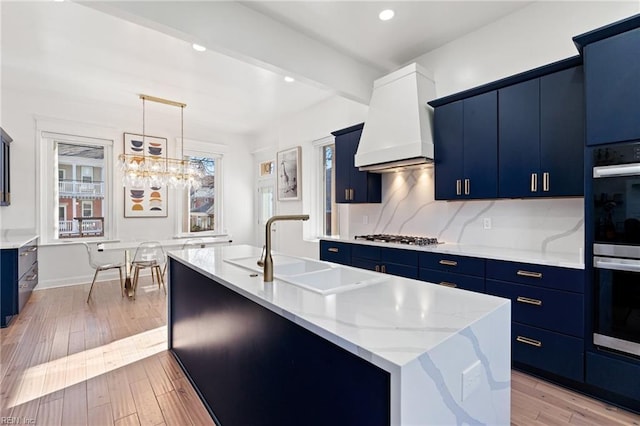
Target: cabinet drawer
[[613, 375], [26, 286], [449, 279], [538, 275], [365, 252], [399, 257], [458, 264], [387, 268], [549, 351], [337, 252], [27, 256], [372, 265], [555, 310]]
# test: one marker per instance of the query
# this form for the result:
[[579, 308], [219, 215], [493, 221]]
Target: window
[[202, 206], [75, 200], [87, 209], [328, 207]]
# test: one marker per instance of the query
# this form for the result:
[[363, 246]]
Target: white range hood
[[398, 129]]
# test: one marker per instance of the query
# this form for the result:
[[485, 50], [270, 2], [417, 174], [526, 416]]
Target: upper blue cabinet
[[519, 137], [352, 185], [612, 83], [466, 148], [541, 136], [5, 169]]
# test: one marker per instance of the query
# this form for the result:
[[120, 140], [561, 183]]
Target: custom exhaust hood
[[398, 130]]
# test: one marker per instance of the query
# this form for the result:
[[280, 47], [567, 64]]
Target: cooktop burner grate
[[399, 239]]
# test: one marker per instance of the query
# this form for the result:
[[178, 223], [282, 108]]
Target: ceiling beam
[[240, 32]]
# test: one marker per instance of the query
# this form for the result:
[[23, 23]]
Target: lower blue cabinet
[[450, 279], [546, 350], [614, 375], [334, 251]]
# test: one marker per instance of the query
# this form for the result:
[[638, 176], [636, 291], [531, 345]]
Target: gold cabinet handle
[[333, 249], [32, 249], [529, 274], [529, 301], [448, 284], [536, 343], [31, 277], [534, 182], [458, 187], [351, 194], [383, 269], [545, 181], [346, 194], [448, 262], [467, 186], [25, 253], [377, 268]]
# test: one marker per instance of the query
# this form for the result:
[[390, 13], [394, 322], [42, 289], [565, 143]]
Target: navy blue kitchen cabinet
[[453, 271], [18, 277], [466, 148], [403, 263], [335, 251], [612, 86], [5, 168], [541, 134], [616, 374], [352, 185], [548, 314]]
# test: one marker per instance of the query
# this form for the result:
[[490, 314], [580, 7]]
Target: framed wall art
[[143, 199], [288, 166]]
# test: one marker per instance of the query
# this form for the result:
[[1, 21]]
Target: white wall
[[531, 37], [64, 265], [302, 129]]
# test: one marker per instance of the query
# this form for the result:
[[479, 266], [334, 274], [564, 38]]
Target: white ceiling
[[236, 86]]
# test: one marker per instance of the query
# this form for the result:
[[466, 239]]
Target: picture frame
[[288, 166], [145, 200]]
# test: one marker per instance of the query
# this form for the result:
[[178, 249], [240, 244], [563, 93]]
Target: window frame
[[205, 150], [319, 198], [50, 132], [84, 203]]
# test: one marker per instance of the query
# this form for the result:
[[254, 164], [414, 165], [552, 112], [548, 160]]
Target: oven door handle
[[616, 264], [619, 170]]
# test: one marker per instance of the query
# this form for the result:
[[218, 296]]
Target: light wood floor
[[68, 362]]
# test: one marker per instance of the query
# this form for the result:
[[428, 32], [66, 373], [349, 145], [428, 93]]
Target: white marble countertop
[[560, 259], [389, 323], [16, 238]]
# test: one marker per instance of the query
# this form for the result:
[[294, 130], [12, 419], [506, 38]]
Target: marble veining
[[546, 225]]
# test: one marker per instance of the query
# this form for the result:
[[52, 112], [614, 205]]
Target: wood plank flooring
[[68, 362]]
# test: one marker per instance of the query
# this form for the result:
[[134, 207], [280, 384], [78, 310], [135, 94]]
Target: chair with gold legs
[[149, 254], [102, 266]]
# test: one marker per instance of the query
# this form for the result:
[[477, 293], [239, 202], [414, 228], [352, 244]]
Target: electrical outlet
[[486, 223], [471, 380]]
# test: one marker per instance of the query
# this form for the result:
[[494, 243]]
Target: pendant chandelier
[[154, 170]]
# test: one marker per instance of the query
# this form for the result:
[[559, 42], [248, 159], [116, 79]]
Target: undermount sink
[[317, 276]]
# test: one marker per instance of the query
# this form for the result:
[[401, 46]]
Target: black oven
[[616, 250]]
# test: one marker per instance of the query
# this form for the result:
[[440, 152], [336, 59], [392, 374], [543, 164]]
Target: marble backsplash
[[408, 207]]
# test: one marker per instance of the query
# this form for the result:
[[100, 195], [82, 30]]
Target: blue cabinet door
[[345, 150], [519, 133], [480, 154], [448, 150], [352, 185], [562, 133], [612, 88]]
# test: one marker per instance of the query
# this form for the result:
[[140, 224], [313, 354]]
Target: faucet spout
[[268, 260]]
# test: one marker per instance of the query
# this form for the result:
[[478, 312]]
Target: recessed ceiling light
[[386, 14], [198, 47], [289, 79]]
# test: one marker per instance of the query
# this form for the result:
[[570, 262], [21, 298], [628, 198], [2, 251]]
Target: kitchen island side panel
[[254, 366]]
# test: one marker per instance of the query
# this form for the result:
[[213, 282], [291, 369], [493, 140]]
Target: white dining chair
[[99, 266], [149, 254]]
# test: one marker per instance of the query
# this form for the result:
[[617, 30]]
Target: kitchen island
[[396, 351]]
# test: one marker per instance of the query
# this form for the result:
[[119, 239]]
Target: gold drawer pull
[[24, 253], [448, 262], [31, 277], [448, 284], [529, 274], [332, 249], [529, 301], [528, 341], [458, 187], [377, 268], [383, 269]]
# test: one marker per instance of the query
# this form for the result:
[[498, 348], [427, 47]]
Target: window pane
[[202, 201], [330, 225], [82, 194]]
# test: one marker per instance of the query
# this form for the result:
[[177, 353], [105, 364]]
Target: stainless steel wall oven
[[616, 248]]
